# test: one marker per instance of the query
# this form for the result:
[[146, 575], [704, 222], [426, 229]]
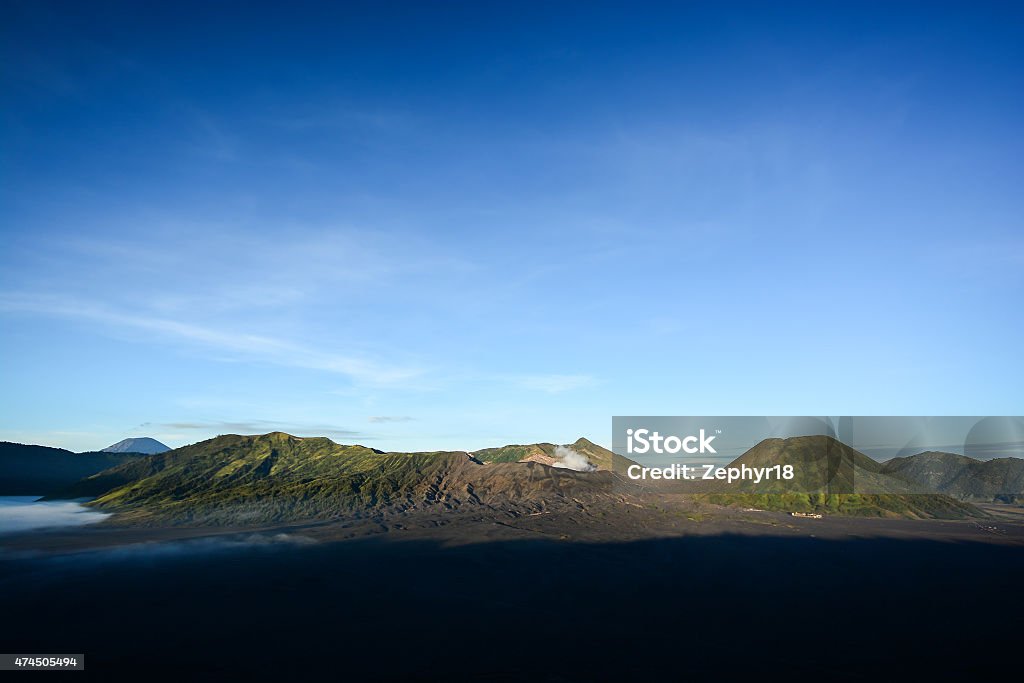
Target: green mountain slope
[[1001, 479], [276, 477], [241, 480]]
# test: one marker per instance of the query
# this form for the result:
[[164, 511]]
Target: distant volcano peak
[[142, 444]]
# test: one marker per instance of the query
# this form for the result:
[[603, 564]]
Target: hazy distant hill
[[142, 444], [274, 477], [1001, 479], [833, 477], [27, 470], [821, 464]]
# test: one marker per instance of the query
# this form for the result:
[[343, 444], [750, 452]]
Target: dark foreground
[[279, 606]]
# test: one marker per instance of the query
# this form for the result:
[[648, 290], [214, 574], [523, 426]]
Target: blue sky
[[465, 224]]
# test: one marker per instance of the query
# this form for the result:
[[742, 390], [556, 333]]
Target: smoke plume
[[569, 459]]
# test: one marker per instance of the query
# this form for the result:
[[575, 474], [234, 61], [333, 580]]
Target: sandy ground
[[667, 519]]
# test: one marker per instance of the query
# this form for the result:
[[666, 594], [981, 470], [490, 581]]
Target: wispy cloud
[[258, 427], [246, 346], [186, 267], [389, 418]]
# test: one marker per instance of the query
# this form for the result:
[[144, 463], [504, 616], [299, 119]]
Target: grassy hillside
[[39, 470], [275, 477], [239, 480]]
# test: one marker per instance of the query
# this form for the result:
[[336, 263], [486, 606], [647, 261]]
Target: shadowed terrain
[[27, 470], [700, 607]]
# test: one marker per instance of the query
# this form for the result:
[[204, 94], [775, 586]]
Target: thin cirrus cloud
[[258, 427], [216, 267], [261, 348], [246, 346]]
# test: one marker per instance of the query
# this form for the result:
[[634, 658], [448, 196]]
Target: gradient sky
[[455, 225]]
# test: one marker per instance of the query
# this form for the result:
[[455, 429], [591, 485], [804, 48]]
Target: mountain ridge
[[236, 479], [233, 479], [28, 469], [963, 477], [547, 454]]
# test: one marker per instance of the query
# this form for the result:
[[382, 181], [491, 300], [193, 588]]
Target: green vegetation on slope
[[276, 477]]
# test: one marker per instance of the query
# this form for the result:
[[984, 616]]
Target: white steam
[[569, 459]]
